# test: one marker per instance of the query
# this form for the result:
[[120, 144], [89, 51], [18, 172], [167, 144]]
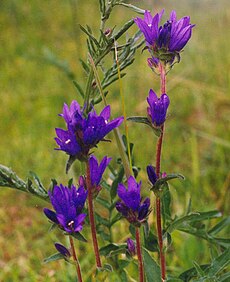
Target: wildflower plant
[[120, 193]]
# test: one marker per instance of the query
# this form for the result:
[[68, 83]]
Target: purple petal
[[51, 215]]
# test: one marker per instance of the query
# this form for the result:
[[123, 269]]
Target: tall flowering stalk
[[94, 173], [164, 43], [85, 131], [135, 211]]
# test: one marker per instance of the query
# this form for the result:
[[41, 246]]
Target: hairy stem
[[139, 255], [91, 217], [75, 259], [158, 167]]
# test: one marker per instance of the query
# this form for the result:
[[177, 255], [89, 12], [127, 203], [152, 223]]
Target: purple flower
[[157, 108], [68, 204], [131, 205], [131, 247], [83, 131], [62, 250], [171, 37], [151, 174], [96, 172]]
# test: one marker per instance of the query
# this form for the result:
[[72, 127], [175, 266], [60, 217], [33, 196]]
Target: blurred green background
[[197, 139]]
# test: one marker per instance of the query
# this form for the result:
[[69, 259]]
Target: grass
[[32, 94]]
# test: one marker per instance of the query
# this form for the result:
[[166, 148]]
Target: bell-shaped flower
[[131, 205], [157, 108], [68, 204]]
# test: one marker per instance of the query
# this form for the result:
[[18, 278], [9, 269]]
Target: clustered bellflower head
[[166, 41], [131, 205], [68, 204], [96, 171], [157, 108], [83, 131]]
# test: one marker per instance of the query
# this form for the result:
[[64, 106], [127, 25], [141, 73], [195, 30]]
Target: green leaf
[[103, 202], [115, 183], [150, 242], [152, 269], [192, 218], [219, 226], [78, 87], [9, 178], [125, 27], [123, 263], [106, 250], [191, 273], [132, 7], [145, 120], [199, 270], [54, 257], [78, 236], [166, 202], [91, 37], [102, 220], [163, 180], [218, 264], [225, 277], [38, 182]]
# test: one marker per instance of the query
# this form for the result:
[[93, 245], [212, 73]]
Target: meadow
[[33, 90]]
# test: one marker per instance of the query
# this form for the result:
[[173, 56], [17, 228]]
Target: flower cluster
[[68, 204], [83, 132], [131, 205], [157, 108], [165, 42]]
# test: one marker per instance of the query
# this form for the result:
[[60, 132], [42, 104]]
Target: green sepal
[[54, 257], [144, 120]]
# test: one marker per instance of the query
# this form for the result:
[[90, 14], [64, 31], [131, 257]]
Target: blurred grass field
[[197, 139]]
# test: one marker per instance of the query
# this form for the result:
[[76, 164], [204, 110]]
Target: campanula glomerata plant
[[108, 196]]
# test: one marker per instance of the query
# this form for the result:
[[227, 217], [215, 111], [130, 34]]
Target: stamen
[[71, 223], [67, 141]]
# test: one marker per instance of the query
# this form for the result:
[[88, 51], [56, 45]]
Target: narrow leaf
[[78, 87], [219, 226], [219, 263], [54, 257]]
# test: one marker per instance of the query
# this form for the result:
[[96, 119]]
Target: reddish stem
[[158, 167], [75, 259], [139, 255], [91, 217]]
